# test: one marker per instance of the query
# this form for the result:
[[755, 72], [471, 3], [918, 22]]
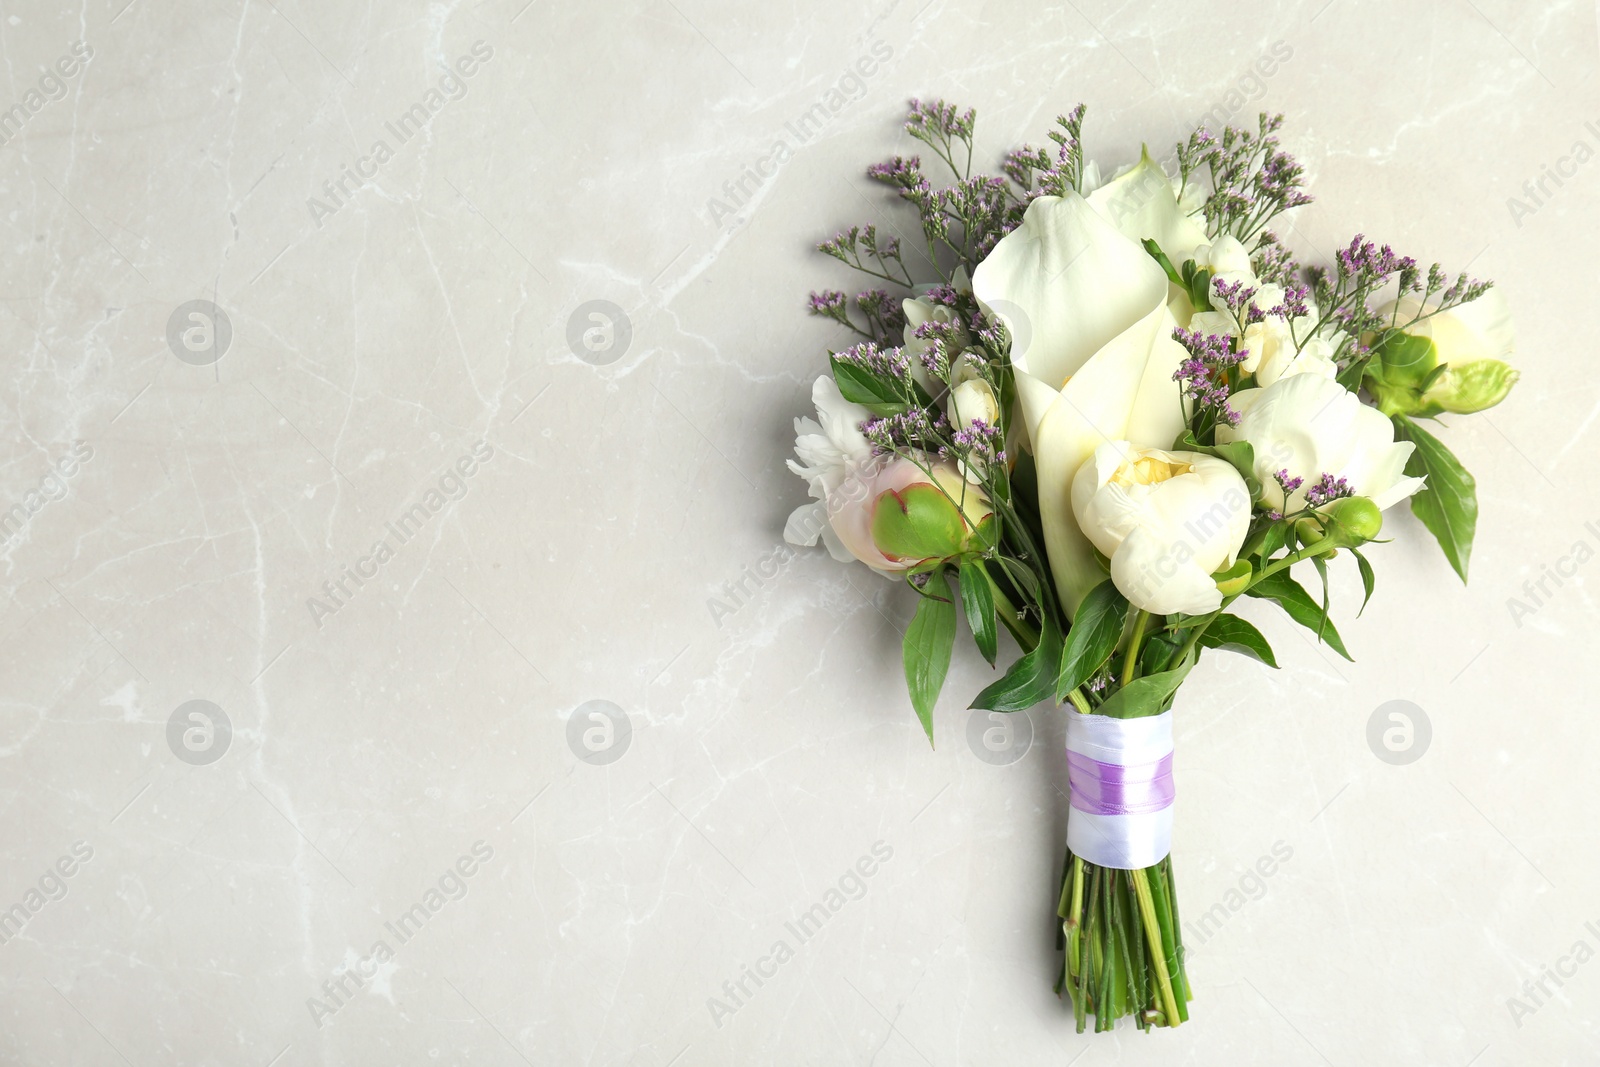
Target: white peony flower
[[1310, 426], [1166, 520], [836, 460]]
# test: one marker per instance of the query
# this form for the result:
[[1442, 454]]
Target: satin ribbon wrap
[[1120, 777]]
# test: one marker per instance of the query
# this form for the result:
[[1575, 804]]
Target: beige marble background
[[579, 891]]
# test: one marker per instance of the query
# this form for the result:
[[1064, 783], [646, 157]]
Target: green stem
[[1132, 662], [1199, 629], [1158, 957], [1026, 635]]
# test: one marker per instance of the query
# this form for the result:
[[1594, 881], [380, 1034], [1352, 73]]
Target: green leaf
[[1146, 696], [1237, 635], [1448, 505], [1030, 679], [1241, 454], [1092, 637], [926, 652], [1368, 579], [1161, 257], [977, 598], [878, 393], [1301, 608]]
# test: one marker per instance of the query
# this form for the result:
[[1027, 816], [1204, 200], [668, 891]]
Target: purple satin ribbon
[[1111, 789]]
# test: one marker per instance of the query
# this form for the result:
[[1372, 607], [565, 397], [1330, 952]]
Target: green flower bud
[[1232, 580], [1472, 387], [1353, 521], [922, 522], [1455, 360]]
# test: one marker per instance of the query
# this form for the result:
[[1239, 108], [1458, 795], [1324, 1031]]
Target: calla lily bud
[[924, 521], [1454, 360]]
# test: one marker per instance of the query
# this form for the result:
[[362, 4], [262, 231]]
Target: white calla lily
[[1093, 353], [1310, 426], [1141, 204], [1167, 521]]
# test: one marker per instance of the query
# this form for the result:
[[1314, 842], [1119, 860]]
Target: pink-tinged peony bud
[[896, 517]]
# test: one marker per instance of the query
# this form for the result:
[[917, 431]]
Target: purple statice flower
[[1327, 490], [883, 310], [1296, 303], [1288, 483], [980, 442], [912, 429], [829, 302], [900, 172], [1369, 265], [1204, 372], [1237, 297], [870, 356]]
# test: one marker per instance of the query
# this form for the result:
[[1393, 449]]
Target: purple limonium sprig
[[1296, 303], [1368, 265], [1237, 297], [909, 429], [1327, 490], [1287, 482], [1204, 372], [980, 442], [870, 356]]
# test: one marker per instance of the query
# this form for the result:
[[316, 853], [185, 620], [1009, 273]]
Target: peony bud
[[926, 519], [1452, 360]]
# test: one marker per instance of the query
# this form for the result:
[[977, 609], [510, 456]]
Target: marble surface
[[582, 741]]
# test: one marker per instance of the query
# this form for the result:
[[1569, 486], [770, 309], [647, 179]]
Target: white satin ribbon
[[1120, 774]]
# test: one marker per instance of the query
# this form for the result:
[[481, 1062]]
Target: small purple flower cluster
[[1204, 372], [1327, 490], [912, 429], [980, 442], [1296, 303], [1237, 297], [869, 356], [1368, 265]]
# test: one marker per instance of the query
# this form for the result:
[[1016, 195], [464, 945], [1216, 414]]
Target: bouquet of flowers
[[1096, 413]]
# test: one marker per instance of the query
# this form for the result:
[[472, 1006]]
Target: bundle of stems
[[1123, 949]]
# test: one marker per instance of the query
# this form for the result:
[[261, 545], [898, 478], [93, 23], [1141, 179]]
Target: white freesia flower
[[919, 310], [1166, 520], [1093, 353], [1227, 259], [1310, 426], [1274, 354], [971, 397], [1141, 203]]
